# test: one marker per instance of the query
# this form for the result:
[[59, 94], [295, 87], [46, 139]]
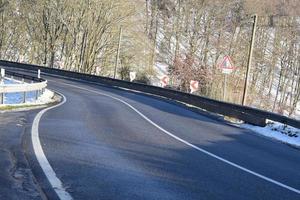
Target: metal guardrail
[[245, 113], [24, 76], [37, 84]]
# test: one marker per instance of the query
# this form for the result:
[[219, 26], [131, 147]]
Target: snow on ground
[[46, 97], [277, 131]]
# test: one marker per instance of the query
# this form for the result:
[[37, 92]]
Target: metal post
[[1, 98], [224, 89], [2, 75], [24, 97], [118, 53], [37, 95], [249, 61]]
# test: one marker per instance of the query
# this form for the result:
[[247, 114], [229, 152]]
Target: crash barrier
[[27, 84], [250, 115]]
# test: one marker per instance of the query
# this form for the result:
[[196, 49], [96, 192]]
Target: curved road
[[105, 143]]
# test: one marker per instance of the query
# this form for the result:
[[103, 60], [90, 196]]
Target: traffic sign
[[164, 81], [194, 85], [132, 76], [227, 65]]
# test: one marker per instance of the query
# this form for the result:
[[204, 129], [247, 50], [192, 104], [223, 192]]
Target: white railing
[[37, 84], [22, 87]]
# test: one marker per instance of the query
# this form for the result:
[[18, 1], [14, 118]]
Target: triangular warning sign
[[227, 63]]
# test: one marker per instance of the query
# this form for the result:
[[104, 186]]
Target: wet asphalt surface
[[16, 178], [101, 149]]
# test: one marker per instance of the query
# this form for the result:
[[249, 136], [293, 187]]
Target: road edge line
[[41, 157]]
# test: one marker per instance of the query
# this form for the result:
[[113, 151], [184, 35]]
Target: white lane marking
[[189, 144], [42, 159]]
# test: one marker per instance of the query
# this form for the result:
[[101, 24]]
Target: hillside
[[186, 39]]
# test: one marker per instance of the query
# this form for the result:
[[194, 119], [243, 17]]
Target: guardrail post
[[24, 97], [36, 95], [1, 98]]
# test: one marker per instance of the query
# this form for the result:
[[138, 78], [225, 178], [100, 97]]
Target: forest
[[190, 37]]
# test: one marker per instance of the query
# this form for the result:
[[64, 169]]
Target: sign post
[[224, 87], [227, 67], [194, 85]]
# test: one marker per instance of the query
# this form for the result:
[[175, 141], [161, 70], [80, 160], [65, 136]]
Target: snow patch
[[46, 97], [277, 131]]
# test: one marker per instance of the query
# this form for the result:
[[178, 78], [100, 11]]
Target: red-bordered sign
[[194, 85], [164, 81], [227, 65]]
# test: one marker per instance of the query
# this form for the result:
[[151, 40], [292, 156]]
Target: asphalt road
[[101, 148]]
